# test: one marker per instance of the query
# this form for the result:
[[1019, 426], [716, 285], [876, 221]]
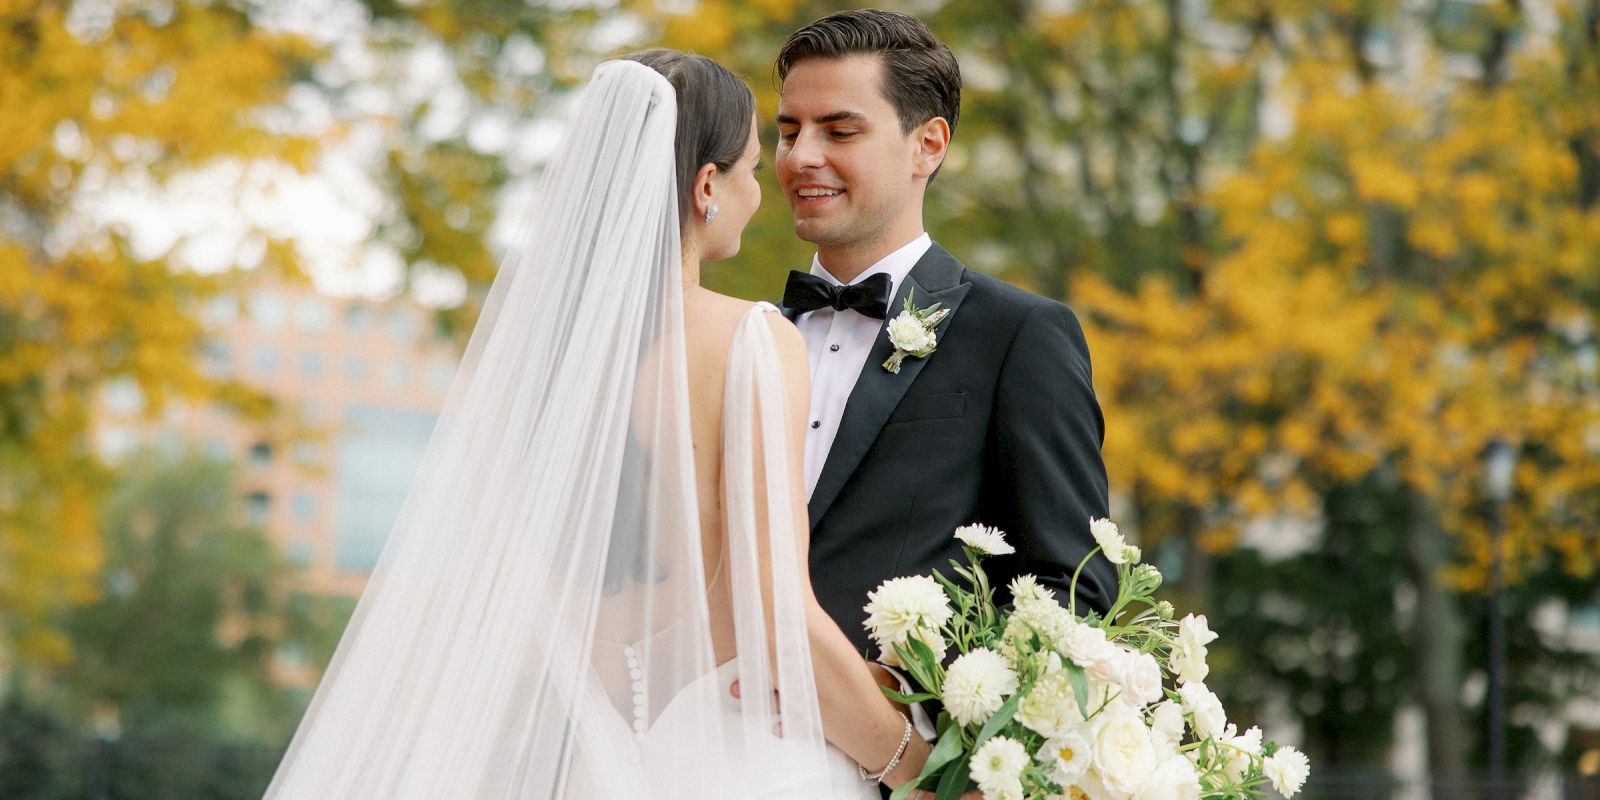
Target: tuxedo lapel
[[934, 279]]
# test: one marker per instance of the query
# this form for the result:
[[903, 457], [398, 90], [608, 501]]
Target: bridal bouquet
[[1042, 703]]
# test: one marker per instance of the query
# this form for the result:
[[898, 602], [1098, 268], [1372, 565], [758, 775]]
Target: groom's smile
[[844, 161]]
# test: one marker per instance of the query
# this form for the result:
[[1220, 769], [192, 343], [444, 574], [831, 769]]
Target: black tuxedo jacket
[[999, 425]]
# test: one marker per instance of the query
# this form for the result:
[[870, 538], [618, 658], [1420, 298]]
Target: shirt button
[[816, 423], [833, 347]]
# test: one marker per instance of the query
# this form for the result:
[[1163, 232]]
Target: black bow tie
[[869, 298]]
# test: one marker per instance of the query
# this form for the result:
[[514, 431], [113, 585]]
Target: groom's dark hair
[[921, 78]]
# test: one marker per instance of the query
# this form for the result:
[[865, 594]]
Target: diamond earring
[[711, 213]]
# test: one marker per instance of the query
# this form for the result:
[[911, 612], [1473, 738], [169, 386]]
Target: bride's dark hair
[[715, 112]]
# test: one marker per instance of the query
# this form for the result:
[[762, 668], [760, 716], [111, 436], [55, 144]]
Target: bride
[[608, 531]]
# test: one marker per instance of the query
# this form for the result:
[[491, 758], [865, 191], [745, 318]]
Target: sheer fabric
[[538, 625]]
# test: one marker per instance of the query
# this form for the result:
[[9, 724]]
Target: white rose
[[1287, 769], [1067, 756], [1050, 709], [1174, 779], [997, 766], [900, 605], [984, 539], [906, 332], [1166, 721], [1140, 678], [1188, 659], [1123, 756], [977, 685], [1111, 542], [1209, 718], [1085, 644]]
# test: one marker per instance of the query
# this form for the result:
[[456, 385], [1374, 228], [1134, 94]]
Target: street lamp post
[[1499, 462]]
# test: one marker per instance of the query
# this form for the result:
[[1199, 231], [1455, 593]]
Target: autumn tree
[[93, 97]]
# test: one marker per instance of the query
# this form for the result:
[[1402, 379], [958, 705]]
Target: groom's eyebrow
[[837, 116]]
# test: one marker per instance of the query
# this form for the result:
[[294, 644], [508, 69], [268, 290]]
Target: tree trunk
[[1439, 633]]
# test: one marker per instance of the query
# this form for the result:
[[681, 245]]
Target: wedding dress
[[538, 625]]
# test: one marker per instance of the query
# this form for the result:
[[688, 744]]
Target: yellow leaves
[[1380, 178], [707, 29]]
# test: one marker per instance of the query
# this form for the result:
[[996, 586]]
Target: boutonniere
[[912, 334]]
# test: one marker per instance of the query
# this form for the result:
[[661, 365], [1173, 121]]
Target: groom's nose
[[805, 152]]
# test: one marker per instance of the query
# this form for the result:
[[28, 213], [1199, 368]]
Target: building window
[[356, 318], [261, 453], [266, 360], [304, 506], [267, 311], [313, 315], [222, 310], [306, 453], [355, 369], [218, 358], [311, 364], [396, 373], [401, 325], [379, 452], [439, 378], [257, 507]]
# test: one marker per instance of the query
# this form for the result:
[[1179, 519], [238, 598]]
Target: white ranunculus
[[1188, 659], [976, 685], [1123, 755], [1067, 756], [997, 766], [906, 332], [1209, 718], [1287, 769], [1140, 678], [900, 605], [1050, 709], [985, 539], [1111, 542], [1173, 779], [1166, 721]]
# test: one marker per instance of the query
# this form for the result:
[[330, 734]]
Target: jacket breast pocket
[[918, 407]]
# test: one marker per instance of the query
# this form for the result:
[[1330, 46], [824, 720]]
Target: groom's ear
[[933, 144]]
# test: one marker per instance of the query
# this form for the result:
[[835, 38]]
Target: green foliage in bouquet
[[1043, 703]]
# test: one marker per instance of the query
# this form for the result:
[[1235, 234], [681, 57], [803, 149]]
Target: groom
[[999, 424]]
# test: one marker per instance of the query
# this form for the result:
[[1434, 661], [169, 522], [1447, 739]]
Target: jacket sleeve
[[1044, 477]]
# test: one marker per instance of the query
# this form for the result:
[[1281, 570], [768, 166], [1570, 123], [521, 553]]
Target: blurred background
[[1338, 262]]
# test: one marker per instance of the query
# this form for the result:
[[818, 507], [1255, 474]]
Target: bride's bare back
[[710, 321]]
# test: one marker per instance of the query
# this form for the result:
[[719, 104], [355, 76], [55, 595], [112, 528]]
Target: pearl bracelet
[[893, 762]]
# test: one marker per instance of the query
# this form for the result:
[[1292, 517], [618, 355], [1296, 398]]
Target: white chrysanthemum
[[1067, 756], [906, 332], [1026, 589], [1140, 678], [1166, 722], [1123, 755], [900, 605], [984, 539], [1287, 769], [1188, 659], [1045, 617], [1110, 540], [997, 766], [1050, 709], [977, 685], [1209, 718]]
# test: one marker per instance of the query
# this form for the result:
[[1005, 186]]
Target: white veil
[[538, 624]]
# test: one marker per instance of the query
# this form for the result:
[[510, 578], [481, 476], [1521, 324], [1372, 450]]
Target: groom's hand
[[777, 707], [888, 680]]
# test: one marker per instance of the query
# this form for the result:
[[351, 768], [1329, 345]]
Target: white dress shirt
[[838, 343]]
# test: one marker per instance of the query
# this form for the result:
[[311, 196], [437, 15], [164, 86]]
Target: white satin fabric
[[539, 623]]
